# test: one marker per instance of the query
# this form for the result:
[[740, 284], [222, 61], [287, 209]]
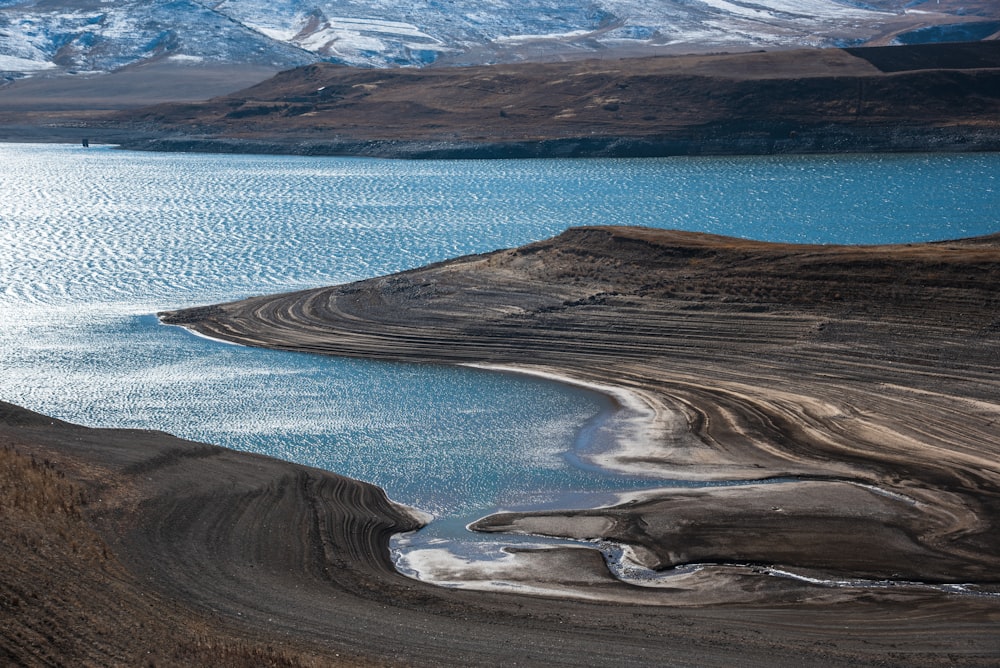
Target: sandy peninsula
[[855, 387]]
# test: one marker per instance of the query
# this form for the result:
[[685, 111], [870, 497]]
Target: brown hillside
[[890, 98]]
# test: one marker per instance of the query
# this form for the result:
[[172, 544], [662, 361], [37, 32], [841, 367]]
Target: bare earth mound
[[928, 97], [846, 365]]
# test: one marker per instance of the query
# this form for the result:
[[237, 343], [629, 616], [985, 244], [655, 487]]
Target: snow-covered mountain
[[105, 35]]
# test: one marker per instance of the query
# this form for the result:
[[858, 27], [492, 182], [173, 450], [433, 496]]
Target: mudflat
[[857, 386]]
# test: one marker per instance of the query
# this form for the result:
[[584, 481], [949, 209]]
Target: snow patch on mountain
[[96, 35], [15, 64], [356, 40], [102, 37]]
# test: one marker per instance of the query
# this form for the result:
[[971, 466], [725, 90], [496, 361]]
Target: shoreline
[[761, 141], [613, 148], [817, 142], [636, 421]]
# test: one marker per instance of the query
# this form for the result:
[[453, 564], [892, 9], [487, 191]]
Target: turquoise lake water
[[94, 241]]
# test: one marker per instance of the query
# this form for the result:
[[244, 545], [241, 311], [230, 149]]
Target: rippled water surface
[[92, 242]]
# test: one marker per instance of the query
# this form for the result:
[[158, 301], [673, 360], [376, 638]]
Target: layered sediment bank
[[866, 375]]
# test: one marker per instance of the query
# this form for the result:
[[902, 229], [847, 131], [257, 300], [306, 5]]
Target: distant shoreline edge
[[780, 139]]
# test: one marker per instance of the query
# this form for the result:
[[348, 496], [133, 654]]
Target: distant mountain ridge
[[93, 36]]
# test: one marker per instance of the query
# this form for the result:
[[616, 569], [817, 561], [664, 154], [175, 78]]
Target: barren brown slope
[[897, 98], [135, 548], [127, 548]]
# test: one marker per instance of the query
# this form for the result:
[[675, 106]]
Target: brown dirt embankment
[[133, 548], [101, 529]]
